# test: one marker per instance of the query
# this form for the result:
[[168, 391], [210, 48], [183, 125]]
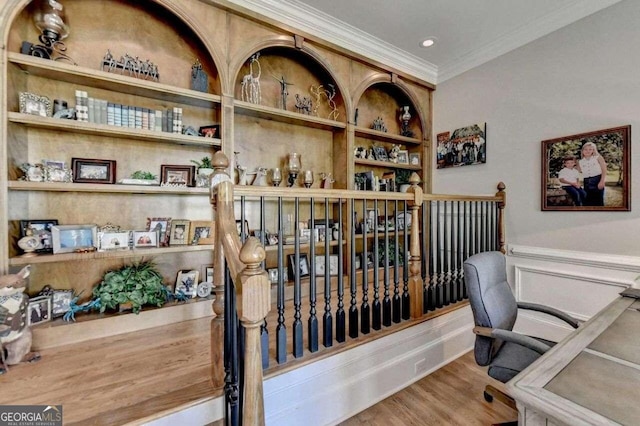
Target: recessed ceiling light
[[428, 42]]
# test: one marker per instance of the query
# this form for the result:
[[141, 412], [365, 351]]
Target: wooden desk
[[590, 378]]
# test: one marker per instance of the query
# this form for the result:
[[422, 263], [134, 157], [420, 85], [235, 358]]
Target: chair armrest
[[513, 337], [550, 311]]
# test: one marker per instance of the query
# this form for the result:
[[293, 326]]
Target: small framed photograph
[[403, 156], [187, 282], [31, 103], [113, 241], [212, 131], [380, 153], [57, 174], [70, 238], [39, 310], [40, 229], [273, 238], [333, 264], [163, 226], [179, 232], [33, 172], [87, 170], [414, 159], [202, 232], [302, 269], [144, 239], [207, 273], [321, 226], [274, 275], [60, 302], [177, 175], [243, 231], [403, 221]]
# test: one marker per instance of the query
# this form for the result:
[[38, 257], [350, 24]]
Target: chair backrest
[[491, 299]]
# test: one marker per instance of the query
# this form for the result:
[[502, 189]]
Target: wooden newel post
[[253, 306], [501, 225], [416, 285], [220, 163]]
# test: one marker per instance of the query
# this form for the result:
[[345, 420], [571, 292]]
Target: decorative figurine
[[49, 19], [378, 124], [261, 177], [135, 67], [330, 94], [251, 83], [393, 153], [283, 92], [327, 180], [240, 170], [405, 116], [15, 339], [199, 79], [303, 105]]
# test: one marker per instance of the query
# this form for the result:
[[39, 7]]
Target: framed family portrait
[[301, 269], [465, 146], [202, 232], [177, 175], [30, 103], [113, 241], [162, 225], [179, 232], [70, 238], [588, 171], [144, 239], [41, 229], [87, 170], [39, 310]]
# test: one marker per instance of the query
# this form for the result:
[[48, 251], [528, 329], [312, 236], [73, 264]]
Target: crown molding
[[329, 29], [523, 35]]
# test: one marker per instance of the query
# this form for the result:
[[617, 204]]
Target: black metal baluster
[[327, 319], [458, 260], [243, 232], [353, 285], [340, 314], [231, 360], [465, 248], [312, 322], [439, 260], [406, 256], [365, 309], [396, 305], [425, 259], [264, 331], [494, 232], [376, 308], [298, 341], [446, 229], [386, 301], [281, 328], [477, 228], [431, 296]]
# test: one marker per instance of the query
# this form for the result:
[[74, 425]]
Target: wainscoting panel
[[580, 284]]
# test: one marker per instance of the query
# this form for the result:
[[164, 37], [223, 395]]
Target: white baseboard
[[336, 388]]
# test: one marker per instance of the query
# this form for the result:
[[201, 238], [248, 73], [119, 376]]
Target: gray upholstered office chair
[[494, 311]]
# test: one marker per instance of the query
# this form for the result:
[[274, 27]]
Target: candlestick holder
[[294, 168], [276, 177], [308, 178]]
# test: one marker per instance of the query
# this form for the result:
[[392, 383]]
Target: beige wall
[[581, 78]]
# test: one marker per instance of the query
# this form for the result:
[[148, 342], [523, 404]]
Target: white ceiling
[[468, 32]]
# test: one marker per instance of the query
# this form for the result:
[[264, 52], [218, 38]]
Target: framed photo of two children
[[588, 172]]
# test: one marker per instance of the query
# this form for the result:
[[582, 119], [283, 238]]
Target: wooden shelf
[[113, 254], [19, 185], [385, 137], [288, 117], [124, 133], [386, 164], [111, 81]]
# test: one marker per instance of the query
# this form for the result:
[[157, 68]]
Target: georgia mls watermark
[[30, 415]]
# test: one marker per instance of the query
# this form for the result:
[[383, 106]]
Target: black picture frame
[[91, 170], [303, 267], [380, 153], [43, 228], [211, 131], [243, 231], [60, 302]]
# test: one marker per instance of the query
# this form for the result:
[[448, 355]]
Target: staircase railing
[[338, 264]]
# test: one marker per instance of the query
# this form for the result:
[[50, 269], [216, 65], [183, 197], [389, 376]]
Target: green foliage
[[140, 174], [139, 284], [402, 176], [391, 253], [204, 163]]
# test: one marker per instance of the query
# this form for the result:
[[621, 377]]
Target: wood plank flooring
[[451, 395]]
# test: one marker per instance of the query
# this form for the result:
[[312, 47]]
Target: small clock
[[204, 289], [29, 244]]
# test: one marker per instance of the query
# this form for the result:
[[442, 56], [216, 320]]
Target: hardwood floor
[[451, 395]]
